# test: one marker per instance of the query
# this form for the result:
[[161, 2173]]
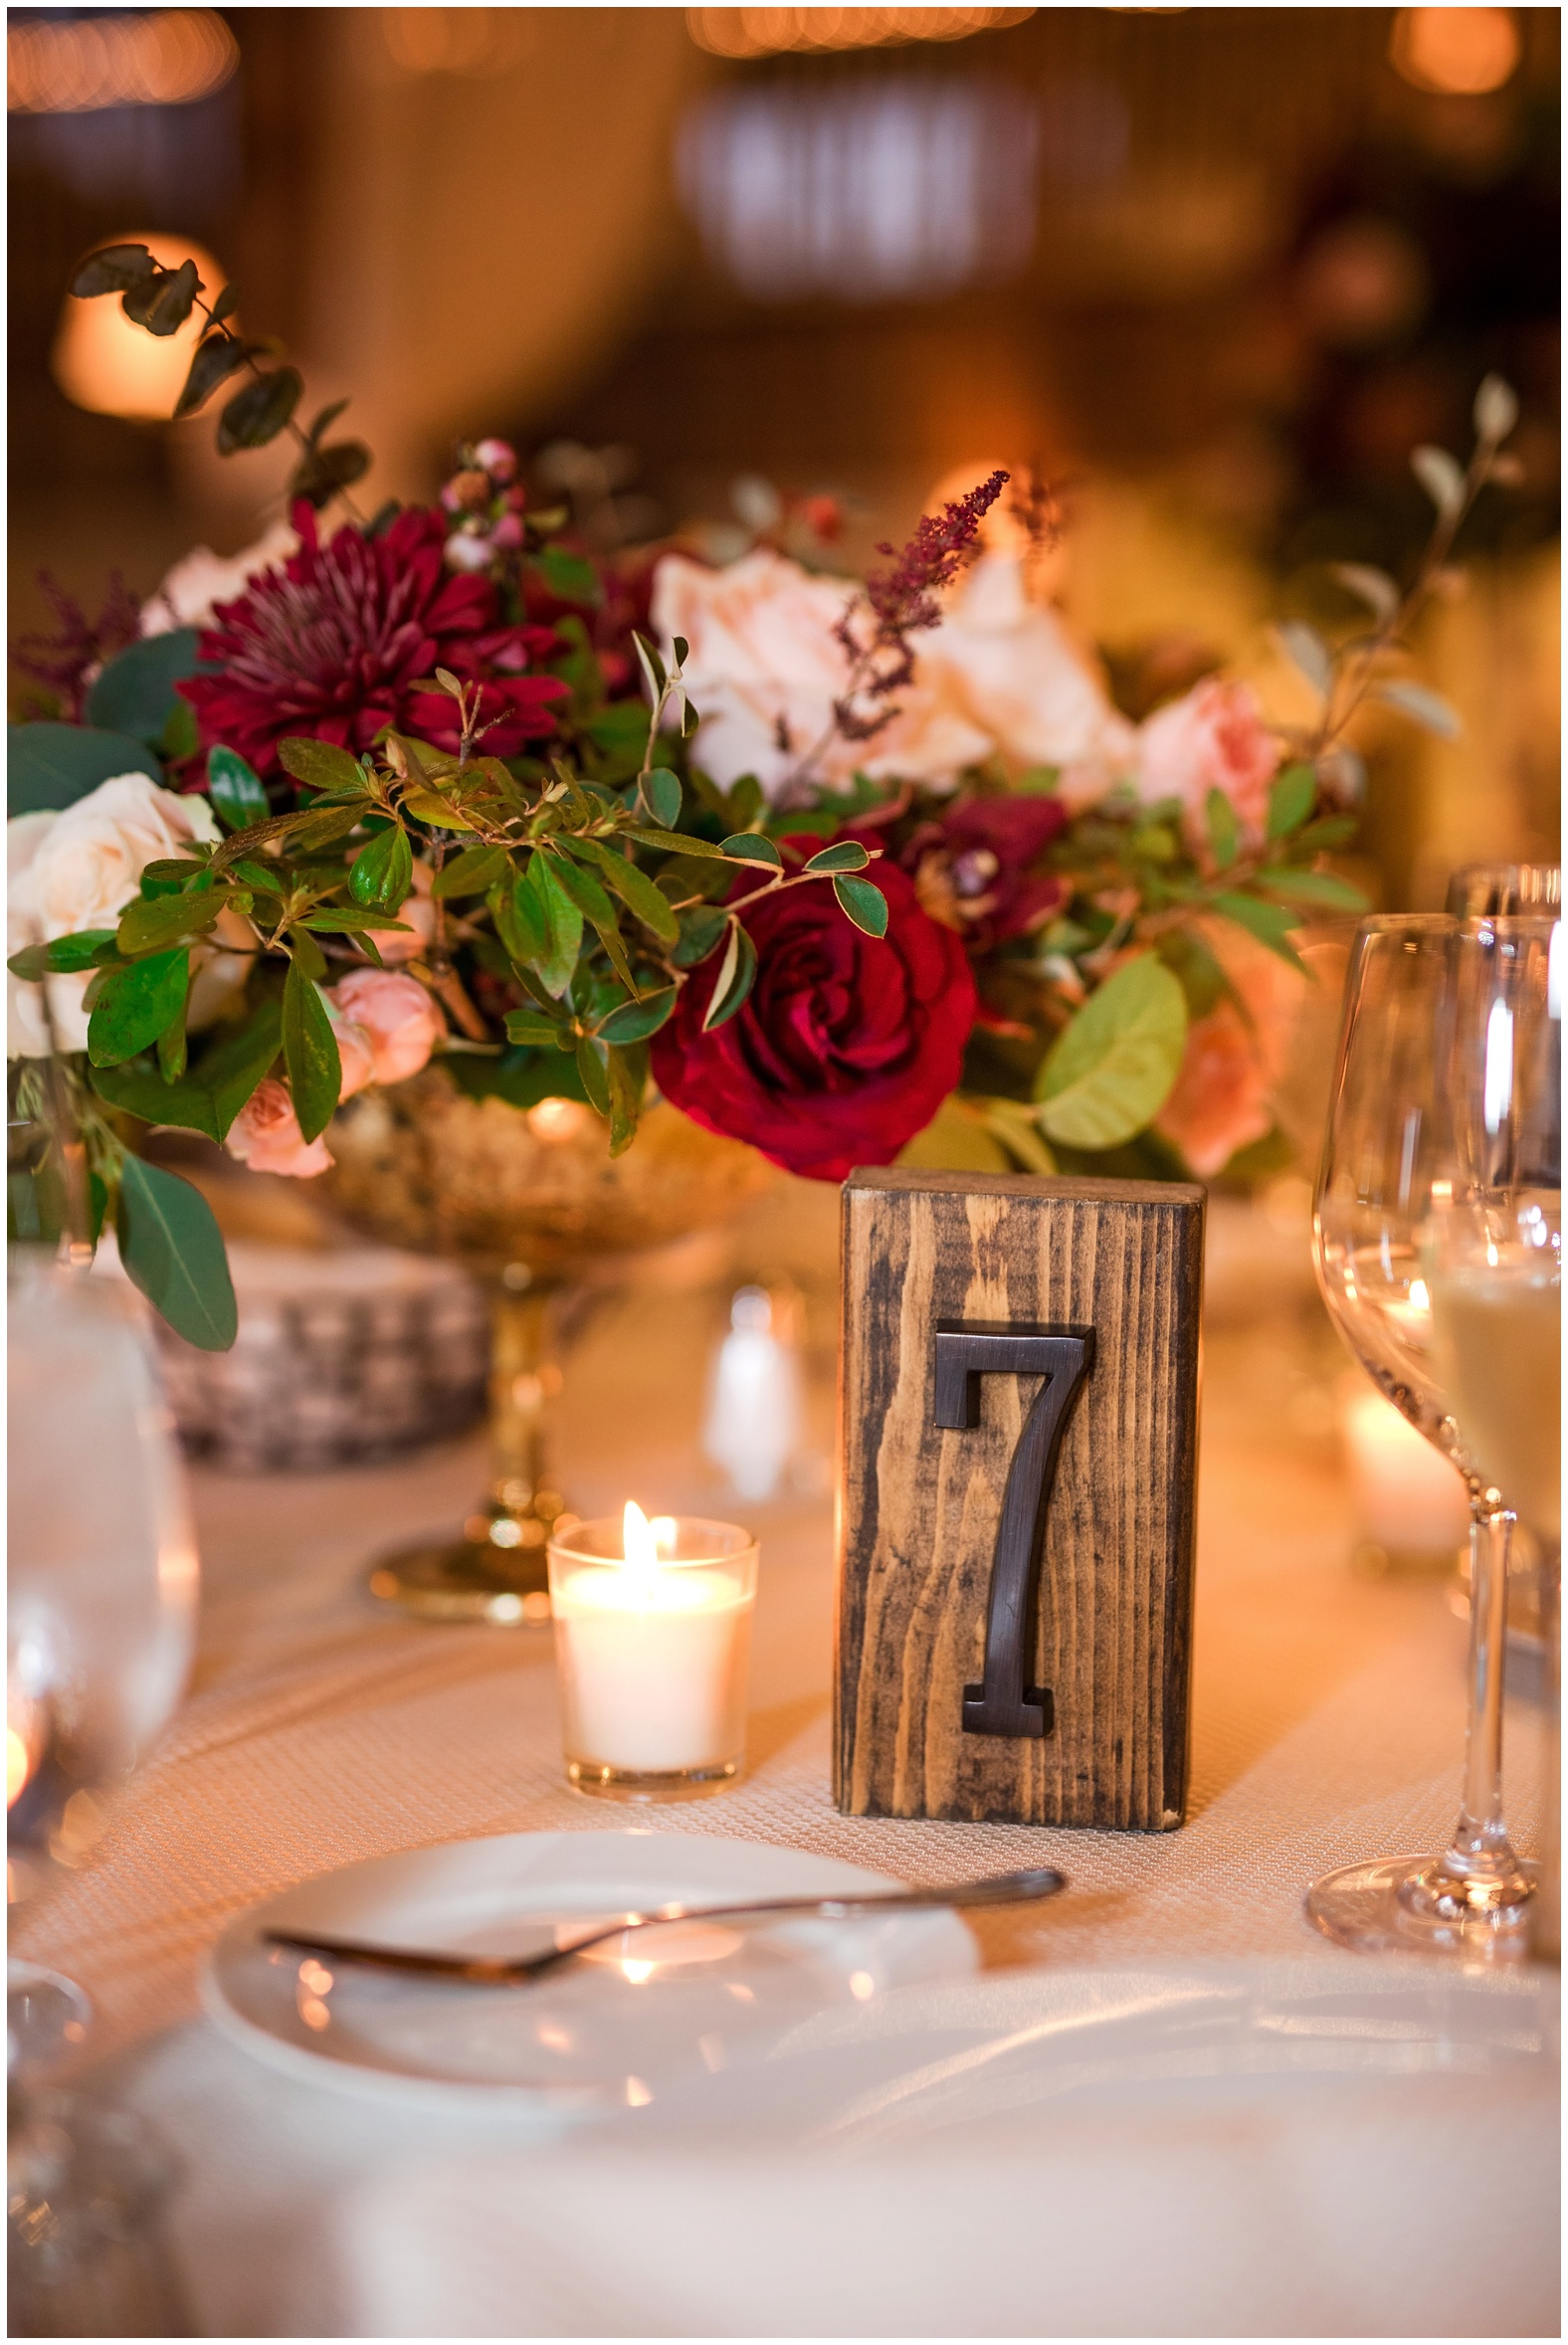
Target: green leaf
[[473, 873], [323, 473], [594, 1076], [1271, 923], [260, 411], [628, 1074], [634, 888], [1373, 587], [134, 1006], [50, 766], [532, 1026], [321, 765], [651, 665], [562, 922], [382, 872], [1496, 409], [321, 826], [661, 796], [634, 1022], [113, 269], [342, 919], [308, 956], [749, 847], [232, 1067], [226, 303], [63, 956], [187, 1104], [172, 1249], [519, 920], [584, 891], [236, 791], [572, 578], [737, 975], [1110, 1070], [700, 931], [1225, 832], [676, 842], [152, 927], [1291, 798], [135, 691], [1017, 1126], [847, 856], [172, 1053], [316, 1072], [957, 1139], [862, 903], [217, 357], [1313, 887], [1427, 708]]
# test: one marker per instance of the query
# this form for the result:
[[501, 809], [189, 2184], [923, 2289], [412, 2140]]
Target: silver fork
[[1001, 1888]]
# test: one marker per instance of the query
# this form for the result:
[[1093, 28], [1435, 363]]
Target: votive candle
[[653, 1639], [1411, 1503]]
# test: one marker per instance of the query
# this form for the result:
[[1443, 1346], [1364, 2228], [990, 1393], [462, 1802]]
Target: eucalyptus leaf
[[1440, 477], [1496, 409], [676, 843], [1307, 654], [260, 411], [700, 933], [749, 847], [635, 1022], [113, 269], [1111, 1068], [846, 855], [50, 766], [1427, 708], [172, 1249], [1373, 587], [217, 357]]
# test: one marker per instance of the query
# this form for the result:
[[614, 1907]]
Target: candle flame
[[638, 1544], [1418, 1296], [664, 1534]]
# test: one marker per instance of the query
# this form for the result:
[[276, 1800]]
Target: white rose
[[202, 579], [765, 670], [78, 868], [1010, 668]]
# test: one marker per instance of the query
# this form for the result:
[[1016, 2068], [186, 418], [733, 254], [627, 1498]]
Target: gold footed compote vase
[[533, 1202]]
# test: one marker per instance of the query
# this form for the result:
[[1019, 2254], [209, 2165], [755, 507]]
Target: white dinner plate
[[601, 2033]]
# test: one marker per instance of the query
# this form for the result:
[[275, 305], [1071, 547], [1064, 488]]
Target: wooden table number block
[[1017, 1493]]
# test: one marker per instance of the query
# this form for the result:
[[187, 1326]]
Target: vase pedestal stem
[[496, 1571]]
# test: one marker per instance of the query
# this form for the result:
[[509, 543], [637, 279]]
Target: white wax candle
[[652, 1648], [1409, 1497]]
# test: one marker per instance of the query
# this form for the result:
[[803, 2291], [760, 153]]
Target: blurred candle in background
[[754, 1413], [1411, 1514]]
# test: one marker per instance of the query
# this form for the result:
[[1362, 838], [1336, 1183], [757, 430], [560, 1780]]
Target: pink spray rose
[[400, 1022], [1213, 738], [355, 1054], [266, 1135], [1223, 1097]]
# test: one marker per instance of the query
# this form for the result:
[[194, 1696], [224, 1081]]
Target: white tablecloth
[[1328, 1726]]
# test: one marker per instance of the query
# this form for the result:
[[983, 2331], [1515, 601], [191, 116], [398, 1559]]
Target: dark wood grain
[[919, 1503]]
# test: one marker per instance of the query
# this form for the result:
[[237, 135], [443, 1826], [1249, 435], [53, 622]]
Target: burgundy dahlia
[[334, 643], [975, 870]]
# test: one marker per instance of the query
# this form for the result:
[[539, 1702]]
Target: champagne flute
[[1437, 1234]]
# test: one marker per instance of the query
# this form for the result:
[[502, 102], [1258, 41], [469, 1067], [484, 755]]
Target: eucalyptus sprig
[[160, 300]]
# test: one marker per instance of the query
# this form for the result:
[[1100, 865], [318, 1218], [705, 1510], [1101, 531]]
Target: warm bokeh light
[[769, 32], [104, 363], [459, 40], [70, 66], [18, 1765], [1462, 52], [637, 1544]]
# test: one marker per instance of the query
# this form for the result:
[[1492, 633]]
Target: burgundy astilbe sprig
[[67, 661], [899, 600]]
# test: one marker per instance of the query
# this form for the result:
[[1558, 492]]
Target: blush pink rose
[[1213, 738], [266, 1135], [355, 1054], [397, 1017], [1222, 1098]]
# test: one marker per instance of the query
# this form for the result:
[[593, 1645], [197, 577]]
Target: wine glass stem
[[1481, 1849]]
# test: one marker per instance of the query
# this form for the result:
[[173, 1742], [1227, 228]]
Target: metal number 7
[[1063, 1356]]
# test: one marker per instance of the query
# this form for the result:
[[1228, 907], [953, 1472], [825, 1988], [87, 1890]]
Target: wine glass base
[[47, 2015], [1392, 1907], [465, 1580]]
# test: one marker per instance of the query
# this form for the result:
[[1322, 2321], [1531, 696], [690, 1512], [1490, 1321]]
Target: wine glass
[[1482, 890], [102, 1594], [1438, 1240]]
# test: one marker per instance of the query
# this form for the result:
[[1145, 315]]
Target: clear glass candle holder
[[653, 1655]]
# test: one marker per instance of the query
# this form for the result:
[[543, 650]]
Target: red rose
[[332, 643], [847, 1045]]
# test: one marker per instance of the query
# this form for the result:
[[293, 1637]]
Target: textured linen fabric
[[1329, 1723]]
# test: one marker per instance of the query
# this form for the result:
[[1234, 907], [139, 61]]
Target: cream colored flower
[[201, 580], [78, 868]]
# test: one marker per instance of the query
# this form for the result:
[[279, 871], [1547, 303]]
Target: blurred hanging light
[[769, 32], [78, 64], [895, 188], [1460, 52], [104, 363]]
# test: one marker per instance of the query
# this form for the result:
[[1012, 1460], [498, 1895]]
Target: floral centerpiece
[[838, 867]]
